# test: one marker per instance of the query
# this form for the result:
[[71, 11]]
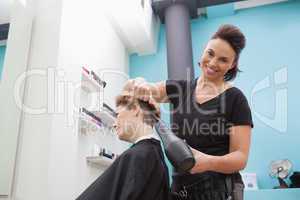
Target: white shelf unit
[[101, 156], [95, 121], [87, 125], [90, 82], [100, 160], [107, 115]]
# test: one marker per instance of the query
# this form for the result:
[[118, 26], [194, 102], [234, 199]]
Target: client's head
[[135, 118]]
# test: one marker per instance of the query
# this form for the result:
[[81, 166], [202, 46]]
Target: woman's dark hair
[[237, 41]]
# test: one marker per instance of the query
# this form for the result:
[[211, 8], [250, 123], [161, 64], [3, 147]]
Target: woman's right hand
[[142, 89], [147, 91]]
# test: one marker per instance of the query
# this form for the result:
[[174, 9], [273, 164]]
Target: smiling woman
[[214, 119]]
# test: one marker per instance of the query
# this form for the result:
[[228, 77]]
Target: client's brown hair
[[151, 111]]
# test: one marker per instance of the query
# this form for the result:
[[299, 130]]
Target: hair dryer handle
[[177, 151]]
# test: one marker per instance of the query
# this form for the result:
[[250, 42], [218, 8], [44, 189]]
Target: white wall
[[87, 39], [136, 25], [51, 157], [15, 63], [31, 178]]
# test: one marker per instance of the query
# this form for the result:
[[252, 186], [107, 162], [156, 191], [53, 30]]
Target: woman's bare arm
[[232, 162], [159, 92], [144, 90]]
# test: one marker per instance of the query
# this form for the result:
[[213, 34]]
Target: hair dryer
[[177, 151]]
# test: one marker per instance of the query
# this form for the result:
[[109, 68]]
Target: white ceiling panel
[[5, 10]]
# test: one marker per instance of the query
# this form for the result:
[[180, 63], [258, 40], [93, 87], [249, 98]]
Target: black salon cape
[[139, 173]]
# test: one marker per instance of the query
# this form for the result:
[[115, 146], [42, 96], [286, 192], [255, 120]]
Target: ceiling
[[5, 7], [5, 10]]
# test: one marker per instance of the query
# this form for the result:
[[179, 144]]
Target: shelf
[[87, 125], [100, 160], [107, 115], [273, 194], [92, 121], [88, 84], [90, 81]]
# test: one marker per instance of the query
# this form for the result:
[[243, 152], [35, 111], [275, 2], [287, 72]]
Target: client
[[139, 173]]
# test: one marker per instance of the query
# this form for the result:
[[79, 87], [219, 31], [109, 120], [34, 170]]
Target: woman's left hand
[[202, 162]]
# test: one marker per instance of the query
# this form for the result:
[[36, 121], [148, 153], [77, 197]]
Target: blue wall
[[273, 42], [2, 54]]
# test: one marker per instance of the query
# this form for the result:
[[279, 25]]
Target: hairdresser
[[213, 117]]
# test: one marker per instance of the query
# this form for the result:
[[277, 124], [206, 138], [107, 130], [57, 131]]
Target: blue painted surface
[[273, 43], [278, 194], [2, 55], [220, 10]]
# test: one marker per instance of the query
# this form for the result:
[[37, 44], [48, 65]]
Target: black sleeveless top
[[205, 126]]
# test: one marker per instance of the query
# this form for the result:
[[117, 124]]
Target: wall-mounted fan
[[280, 169]]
